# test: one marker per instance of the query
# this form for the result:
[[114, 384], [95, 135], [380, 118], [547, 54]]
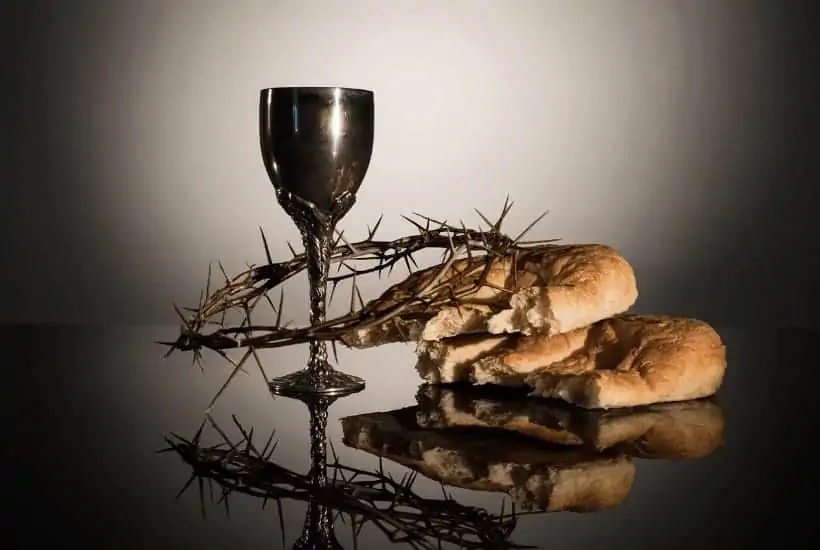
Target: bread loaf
[[624, 361], [546, 290]]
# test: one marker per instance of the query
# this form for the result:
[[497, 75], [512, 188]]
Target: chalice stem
[[317, 248]]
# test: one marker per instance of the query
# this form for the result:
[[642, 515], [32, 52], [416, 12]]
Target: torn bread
[[537, 477], [673, 431], [625, 361], [545, 290]]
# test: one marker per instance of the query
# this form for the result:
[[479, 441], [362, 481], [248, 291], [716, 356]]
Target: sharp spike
[[529, 227], [416, 224], [224, 273], [504, 211], [208, 281], [237, 368], [265, 244], [280, 308], [372, 232], [333, 284], [484, 218]]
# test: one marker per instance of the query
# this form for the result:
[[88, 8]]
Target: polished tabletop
[[85, 410]]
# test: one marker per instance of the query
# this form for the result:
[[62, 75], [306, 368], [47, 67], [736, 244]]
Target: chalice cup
[[316, 146]]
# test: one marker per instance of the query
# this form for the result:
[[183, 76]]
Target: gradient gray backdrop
[[681, 132]]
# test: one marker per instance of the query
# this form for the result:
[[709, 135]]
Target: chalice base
[[324, 380]]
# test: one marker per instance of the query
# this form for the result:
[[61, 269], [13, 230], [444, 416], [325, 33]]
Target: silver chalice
[[316, 146]]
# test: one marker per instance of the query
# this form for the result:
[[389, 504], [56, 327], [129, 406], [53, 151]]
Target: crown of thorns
[[205, 326]]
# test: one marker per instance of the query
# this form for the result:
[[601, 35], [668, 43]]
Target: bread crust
[[624, 361], [549, 290]]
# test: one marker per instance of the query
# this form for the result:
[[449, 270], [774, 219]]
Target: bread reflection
[[536, 475], [684, 430], [546, 455]]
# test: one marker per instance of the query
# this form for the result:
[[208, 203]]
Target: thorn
[[224, 273], [353, 295], [281, 515], [421, 229], [429, 219], [455, 300], [270, 302], [280, 308], [265, 244], [333, 284], [484, 218], [372, 232], [225, 494], [407, 263], [272, 449], [201, 498], [412, 259], [237, 368], [182, 317], [335, 242], [258, 362], [208, 281], [290, 247], [186, 486], [359, 296], [352, 248], [198, 433], [450, 242], [504, 211], [264, 453], [466, 236], [172, 347], [530, 226], [514, 269]]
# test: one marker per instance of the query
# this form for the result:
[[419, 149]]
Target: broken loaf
[[546, 290], [623, 361]]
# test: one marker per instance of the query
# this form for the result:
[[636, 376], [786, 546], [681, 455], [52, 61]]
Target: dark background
[[683, 133]]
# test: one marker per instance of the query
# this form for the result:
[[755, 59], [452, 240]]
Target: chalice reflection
[[316, 146]]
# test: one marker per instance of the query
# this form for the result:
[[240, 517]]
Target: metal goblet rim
[[318, 88]]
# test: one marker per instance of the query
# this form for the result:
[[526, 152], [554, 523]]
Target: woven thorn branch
[[245, 291], [205, 327]]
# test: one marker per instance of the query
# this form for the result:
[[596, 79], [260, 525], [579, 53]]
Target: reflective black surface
[[86, 409]]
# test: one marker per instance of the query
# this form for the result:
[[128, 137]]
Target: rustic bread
[[545, 290], [675, 431], [624, 361], [538, 477]]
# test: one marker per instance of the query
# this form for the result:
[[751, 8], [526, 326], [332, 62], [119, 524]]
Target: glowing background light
[[665, 128]]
